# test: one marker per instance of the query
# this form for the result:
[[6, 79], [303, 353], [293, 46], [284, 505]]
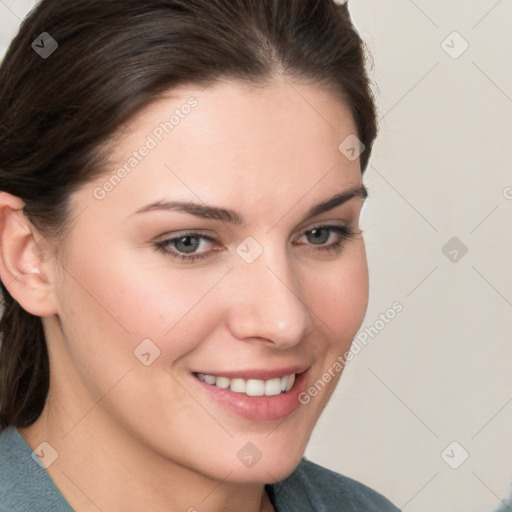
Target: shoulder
[[24, 483], [312, 487], [505, 505]]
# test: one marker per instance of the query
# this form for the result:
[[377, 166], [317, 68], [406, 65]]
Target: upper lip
[[259, 374]]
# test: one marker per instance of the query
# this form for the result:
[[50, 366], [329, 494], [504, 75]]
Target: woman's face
[[230, 182]]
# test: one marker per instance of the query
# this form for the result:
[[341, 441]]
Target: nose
[[268, 303]]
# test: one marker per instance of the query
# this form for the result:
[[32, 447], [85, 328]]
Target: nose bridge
[[269, 302]]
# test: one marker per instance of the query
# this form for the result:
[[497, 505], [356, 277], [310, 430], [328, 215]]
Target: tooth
[[255, 387], [238, 385], [291, 380], [272, 387], [210, 379], [251, 387], [223, 382]]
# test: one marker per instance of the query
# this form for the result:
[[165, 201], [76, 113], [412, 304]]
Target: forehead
[[232, 142]]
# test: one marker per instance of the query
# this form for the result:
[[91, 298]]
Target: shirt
[[505, 505], [25, 486]]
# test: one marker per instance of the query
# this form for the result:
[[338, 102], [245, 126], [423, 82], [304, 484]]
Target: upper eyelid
[[200, 233]]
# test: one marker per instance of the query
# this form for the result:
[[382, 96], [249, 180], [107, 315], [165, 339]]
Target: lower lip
[[261, 408]]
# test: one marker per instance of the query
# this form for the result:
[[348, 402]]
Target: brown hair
[[114, 58]]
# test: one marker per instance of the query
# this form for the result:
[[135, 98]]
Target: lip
[[257, 408]]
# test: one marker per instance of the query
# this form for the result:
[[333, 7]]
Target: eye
[[320, 235], [187, 246]]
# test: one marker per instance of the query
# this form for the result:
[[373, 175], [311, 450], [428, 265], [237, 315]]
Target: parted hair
[[115, 57]]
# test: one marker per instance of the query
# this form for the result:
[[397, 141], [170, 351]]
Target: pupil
[[188, 244], [317, 237]]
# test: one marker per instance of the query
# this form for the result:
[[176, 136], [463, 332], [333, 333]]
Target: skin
[[133, 437]]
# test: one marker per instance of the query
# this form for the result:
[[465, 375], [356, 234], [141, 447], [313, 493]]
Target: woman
[[180, 253]]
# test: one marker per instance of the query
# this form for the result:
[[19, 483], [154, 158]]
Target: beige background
[[440, 371]]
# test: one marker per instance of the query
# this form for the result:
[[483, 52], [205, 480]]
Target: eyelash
[[345, 233]]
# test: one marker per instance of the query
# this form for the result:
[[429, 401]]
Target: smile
[[251, 387], [255, 394]]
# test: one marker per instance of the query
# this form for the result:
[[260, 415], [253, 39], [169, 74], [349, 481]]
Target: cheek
[[111, 304], [340, 305], [338, 298], [115, 302]]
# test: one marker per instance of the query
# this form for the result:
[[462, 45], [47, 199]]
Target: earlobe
[[25, 266]]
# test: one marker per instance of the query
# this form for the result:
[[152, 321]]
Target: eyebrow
[[205, 211]]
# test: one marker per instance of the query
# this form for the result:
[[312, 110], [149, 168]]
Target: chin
[[269, 463], [265, 472]]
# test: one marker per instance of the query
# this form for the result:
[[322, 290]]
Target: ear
[[26, 259]]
